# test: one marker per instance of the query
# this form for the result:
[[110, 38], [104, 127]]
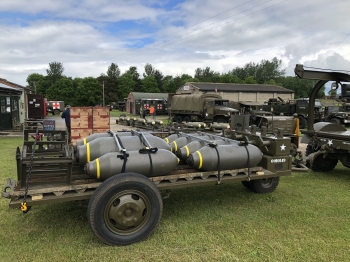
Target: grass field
[[305, 219]]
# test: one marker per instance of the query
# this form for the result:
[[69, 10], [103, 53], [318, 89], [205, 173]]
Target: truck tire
[[335, 120], [125, 209], [302, 122], [187, 119], [265, 185], [221, 120], [178, 119], [56, 112]]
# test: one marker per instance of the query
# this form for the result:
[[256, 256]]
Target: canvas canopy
[[194, 102]]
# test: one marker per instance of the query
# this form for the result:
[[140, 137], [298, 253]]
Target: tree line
[[88, 91]]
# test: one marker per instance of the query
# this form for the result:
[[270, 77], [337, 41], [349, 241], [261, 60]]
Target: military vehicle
[[270, 126], [120, 105], [327, 143], [55, 107], [206, 108], [298, 106], [123, 175], [337, 114]]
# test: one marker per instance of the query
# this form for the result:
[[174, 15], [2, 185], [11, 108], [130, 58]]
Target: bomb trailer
[[125, 174]]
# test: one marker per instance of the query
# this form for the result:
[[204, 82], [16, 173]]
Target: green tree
[[113, 71], [110, 88], [229, 78], [126, 85], [55, 71], [63, 90], [89, 92], [302, 87], [149, 70], [37, 82], [136, 77], [149, 85], [250, 80], [262, 72]]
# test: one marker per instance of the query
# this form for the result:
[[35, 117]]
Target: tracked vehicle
[[327, 143]]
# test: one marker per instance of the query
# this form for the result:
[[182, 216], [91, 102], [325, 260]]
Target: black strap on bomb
[[218, 166], [121, 148], [149, 151], [245, 144]]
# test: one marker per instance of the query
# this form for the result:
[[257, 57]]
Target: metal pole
[[103, 92]]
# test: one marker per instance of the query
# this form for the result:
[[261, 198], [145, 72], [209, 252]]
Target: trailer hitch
[[9, 185]]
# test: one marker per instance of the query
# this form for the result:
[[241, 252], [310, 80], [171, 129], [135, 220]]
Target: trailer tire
[[125, 209], [302, 122], [246, 184], [321, 164], [265, 185]]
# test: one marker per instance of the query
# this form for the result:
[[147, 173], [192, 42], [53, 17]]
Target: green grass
[[305, 219]]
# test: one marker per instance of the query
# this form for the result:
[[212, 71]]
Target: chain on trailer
[[24, 207]]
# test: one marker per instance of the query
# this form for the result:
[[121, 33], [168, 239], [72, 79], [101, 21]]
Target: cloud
[[174, 36]]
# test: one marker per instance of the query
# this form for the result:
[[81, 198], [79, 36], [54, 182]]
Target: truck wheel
[[187, 119], [125, 209], [221, 120], [178, 119], [302, 122], [56, 112], [335, 121], [265, 185]]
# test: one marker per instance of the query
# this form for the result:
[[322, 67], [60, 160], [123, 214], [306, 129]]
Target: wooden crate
[[88, 120]]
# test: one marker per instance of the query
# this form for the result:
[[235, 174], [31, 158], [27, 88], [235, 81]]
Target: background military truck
[[120, 105], [200, 108], [55, 107], [337, 114], [298, 106]]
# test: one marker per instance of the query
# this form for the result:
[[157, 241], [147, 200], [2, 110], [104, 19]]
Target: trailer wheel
[[265, 185], [335, 121], [302, 122], [125, 209], [321, 164], [246, 184]]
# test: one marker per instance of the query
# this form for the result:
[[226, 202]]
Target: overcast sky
[[174, 36]]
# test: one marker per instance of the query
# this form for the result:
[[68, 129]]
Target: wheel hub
[[125, 212]]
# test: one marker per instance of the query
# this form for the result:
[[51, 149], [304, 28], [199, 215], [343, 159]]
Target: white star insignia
[[330, 142], [283, 147]]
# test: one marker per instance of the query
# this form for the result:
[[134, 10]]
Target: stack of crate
[[88, 120]]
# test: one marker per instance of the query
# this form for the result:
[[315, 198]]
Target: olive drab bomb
[[100, 146], [226, 157], [182, 141], [158, 163], [193, 146], [98, 135]]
